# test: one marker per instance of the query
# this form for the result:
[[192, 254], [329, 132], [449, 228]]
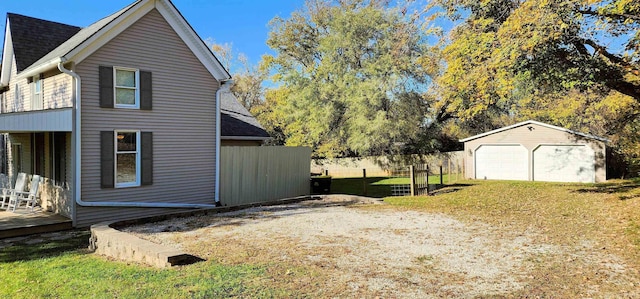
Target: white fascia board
[[7, 57], [192, 40], [109, 31], [528, 122], [51, 64]]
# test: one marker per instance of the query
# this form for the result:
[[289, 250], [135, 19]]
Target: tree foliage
[[508, 54], [350, 78], [248, 78], [572, 63]]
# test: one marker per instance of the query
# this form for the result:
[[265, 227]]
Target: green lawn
[[564, 215], [377, 187], [65, 269]]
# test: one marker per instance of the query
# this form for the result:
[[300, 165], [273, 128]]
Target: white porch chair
[[19, 186], [29, 198]]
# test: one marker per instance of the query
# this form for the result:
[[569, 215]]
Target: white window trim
[[40, 98], [137, 88], [115, 160]]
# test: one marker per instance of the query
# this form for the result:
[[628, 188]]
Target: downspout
[[77, 156], [225, 85]]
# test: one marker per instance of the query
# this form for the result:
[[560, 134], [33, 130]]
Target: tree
[[349, 78], [572, 63], [508, 54], [248, 78]]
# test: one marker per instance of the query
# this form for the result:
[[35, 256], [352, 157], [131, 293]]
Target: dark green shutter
[[146, 151], [106, 87], [106, 159], [145, 90]]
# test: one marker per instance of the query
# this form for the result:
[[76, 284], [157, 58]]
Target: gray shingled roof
[[236, 121], [71, 43], [37, 41], [34, 38]]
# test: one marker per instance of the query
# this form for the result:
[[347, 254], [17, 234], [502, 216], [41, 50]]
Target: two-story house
[[122, 117]]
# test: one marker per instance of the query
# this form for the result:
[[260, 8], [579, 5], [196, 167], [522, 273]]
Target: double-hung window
[[127, 160], [126, 87], [122, 87]]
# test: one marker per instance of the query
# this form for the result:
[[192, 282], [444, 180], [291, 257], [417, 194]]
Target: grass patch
[[356, 186], [433, 179], [377, 187], [49, 249], [605, 216], [565, 215], [65, 269]]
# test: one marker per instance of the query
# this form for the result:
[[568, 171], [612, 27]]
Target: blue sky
[[242, 23]]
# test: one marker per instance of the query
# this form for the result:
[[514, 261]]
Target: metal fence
[[262, 174], [451, 163], [434, 172]]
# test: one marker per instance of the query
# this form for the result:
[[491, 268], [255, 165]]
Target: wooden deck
[[25, 222]]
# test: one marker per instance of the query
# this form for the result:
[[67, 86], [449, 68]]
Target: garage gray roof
[[528, 122]]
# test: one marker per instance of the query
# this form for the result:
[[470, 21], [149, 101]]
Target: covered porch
[[46, 154], [37, 143]]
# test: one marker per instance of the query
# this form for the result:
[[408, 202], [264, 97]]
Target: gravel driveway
[[348, 246]]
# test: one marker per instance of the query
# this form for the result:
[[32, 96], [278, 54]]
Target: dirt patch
[[331, 247]]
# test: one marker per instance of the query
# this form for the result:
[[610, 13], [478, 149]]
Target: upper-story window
[[126, 85], [37, 99], [122, 87]]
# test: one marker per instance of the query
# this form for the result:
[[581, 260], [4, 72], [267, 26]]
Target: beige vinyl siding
[[263, 174], [56, 87], [531, 136], [17, 99], [182, 122], [58, 90]]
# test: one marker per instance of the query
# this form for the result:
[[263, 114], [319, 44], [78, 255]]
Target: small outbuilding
[[535, 151]]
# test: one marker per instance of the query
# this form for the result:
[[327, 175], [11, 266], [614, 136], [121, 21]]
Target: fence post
[[449, 163], [364, 181], [427, 179], [326, 172], [441, 180], [412, 177]]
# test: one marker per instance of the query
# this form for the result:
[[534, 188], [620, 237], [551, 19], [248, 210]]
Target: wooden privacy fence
[[262, 174]]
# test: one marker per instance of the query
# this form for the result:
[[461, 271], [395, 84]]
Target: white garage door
[[502, 162], [564, 163]]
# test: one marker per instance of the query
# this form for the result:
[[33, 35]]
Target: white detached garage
[[535, 151]]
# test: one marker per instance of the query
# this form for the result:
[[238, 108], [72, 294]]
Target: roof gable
[[536, 123], [88, 40], [75, 40], [33, 38]]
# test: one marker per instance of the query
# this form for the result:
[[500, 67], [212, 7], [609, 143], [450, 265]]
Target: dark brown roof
[[34, 38]]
